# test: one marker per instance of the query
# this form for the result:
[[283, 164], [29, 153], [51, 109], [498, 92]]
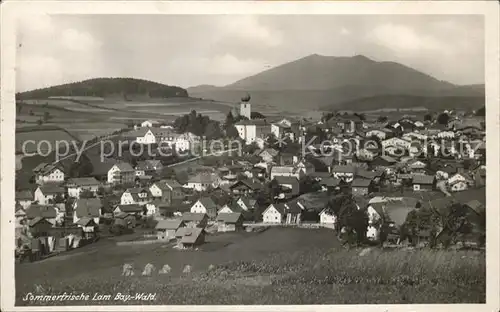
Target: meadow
[[277, 266]]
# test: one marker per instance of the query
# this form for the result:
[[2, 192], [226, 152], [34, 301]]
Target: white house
[[46, 194], [146, 137], [45, 173], [205, 205], [250, 130], [327, 219], [121, 173], [459, 186], [78, 185], [149, 123], [274, 213], [202, 181], [185, 141], [446, 135], [139, 196]]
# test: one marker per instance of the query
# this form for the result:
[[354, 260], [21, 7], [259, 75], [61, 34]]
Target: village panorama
[[276, 189]]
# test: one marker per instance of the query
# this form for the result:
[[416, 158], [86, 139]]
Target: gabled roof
[[279, 207], [204, 178], [292, 207], [172, 224], [207, 202], [358, 182], [51, 189], [190, 216], [136, 190], [36, 220], [249, 202], [253, 185], [42, 211], [330, 182], [191, 235], [229, 217], [133, 208], [344, 169], [423, 179], [234, 207], [88, 207], [87, 181], [270, 151], [125, 167], [85, 221], [287, 180], [171, 183]]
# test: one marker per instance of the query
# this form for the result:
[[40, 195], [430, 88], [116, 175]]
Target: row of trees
[[199, 125]]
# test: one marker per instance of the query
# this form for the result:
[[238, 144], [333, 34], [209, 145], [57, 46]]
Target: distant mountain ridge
[[317, 81], [105, 87]]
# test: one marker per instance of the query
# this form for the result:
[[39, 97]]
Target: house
[[166, 229], [76, 186], [148, 167], [192, 237], [245, 187], [229, 222], [246, 203], [231, 208], [89, 226], [87, 207], [383, 161], [47, 173], [48, 193], [49, 213], [423, 182], [416, 165], [153, 207], [458, 186], [149, 123], [205, 205], [195, 219], [361, 187], [203, 181], [127, 220], [327, 219], [305, 167], [330, 183], [268, 154], [167, 190], [289, 185], [274, 213], [132, 209], [293, 212], [137, 195], [145, 136], [121, 173], [318, 176], [396, 142], [251, 130], [40, 227], [344, 172], [24, 198], [460, 176], [376, 133], [393, 211]]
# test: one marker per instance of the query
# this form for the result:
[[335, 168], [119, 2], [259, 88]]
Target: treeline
[[101, 87], [199, 125]]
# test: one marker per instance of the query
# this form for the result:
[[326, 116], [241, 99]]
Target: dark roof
[[253, 185], [330, 181], [24, 195], [229, 217], [423, 179], [280, 207], [286, 180], [88, 207], [51, 189], [317, 174], [367, 174], [475, 205], [190, 216], [271, 151], [249, 202], [131, 208], [85, 221], [36, 220], [171, 224], [358, 182], [293, 207], [123, 166], [171, 183], [146, 165], [41, 211], [344, 169], [87, 181], [207, 202], [234, 207]]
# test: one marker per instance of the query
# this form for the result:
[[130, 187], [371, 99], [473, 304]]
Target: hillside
[[409, 101], [316, 81], [106, 87]]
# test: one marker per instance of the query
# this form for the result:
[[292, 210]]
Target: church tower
[[245, 107]]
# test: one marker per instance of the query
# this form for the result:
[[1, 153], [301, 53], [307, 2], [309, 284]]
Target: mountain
[[316, 81], [107, 87]]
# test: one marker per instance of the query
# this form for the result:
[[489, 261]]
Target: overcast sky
[[191, 50]]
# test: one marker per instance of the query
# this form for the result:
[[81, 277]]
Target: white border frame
[[11, 9]]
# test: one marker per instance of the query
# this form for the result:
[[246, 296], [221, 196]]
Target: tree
[[382, 119], [229, 120], [350, 219], [309, 185], [427, 117], [251, 148], [443, 118], [232, 132], [59, 199], [82, 168]]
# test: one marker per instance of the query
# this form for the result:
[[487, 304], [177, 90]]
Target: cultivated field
[[277, 266]]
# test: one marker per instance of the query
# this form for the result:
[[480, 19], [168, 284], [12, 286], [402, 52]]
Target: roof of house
[[279, 207], [43, 211], [89, 207], [136, 190], [293, 207], [234, 207], [344, 169], [423, 179], [367, 174], [36, 220], [283, 169], [191, 216], [318, 174], [130, 208], [87, 181], [171, 183], [24, 195], [207, 202], [254, 185], [170, 224], [85, 221], [330, 181], [249, 202], [51, 189], [358, 182], [125, 167], [229, 217], [270, 151], [191, 235], [203, 178], [287, 180]]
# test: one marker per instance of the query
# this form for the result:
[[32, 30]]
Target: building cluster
[[269, 186]]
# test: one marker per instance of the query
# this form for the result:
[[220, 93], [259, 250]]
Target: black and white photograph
[[275, 154]]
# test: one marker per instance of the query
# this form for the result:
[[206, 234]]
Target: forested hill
[[104, 87]]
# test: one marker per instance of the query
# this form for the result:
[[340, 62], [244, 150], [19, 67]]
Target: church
[[245, 109]]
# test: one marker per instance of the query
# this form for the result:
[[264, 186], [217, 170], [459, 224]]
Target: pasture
[[277, 266]]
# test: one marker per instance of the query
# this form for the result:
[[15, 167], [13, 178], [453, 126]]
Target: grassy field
[[277, 266]]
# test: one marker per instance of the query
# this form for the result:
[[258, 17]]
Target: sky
[[190, 50]]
